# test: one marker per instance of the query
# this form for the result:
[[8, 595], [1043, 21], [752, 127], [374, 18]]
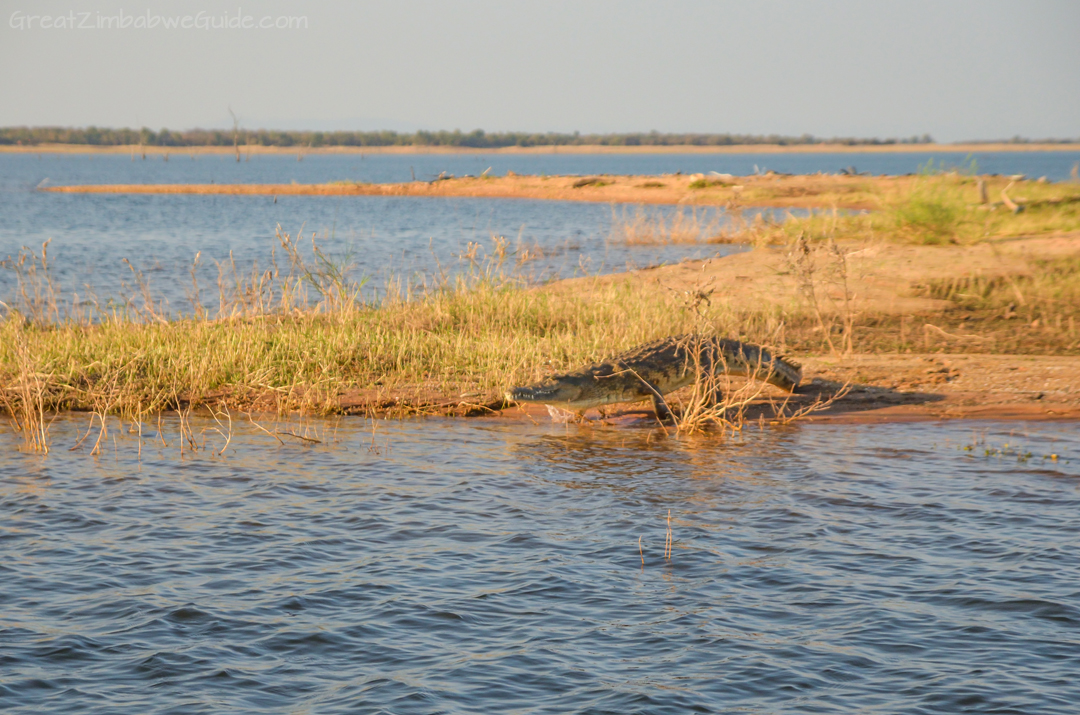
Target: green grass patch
[[936, 208]]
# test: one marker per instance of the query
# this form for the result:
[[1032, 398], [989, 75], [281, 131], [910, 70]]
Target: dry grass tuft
[[24, 397], [655, 226]]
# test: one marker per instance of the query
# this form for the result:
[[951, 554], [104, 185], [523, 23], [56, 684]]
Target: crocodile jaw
[[549, 393]]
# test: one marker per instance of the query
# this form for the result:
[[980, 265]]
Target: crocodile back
[[659, 367]]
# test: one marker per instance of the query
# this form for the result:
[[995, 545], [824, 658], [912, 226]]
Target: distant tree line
[[478, 139]]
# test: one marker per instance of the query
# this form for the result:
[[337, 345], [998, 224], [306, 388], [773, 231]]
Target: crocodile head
[[550, 392]]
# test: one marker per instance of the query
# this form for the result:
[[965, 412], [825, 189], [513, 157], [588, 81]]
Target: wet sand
[[843, 412]]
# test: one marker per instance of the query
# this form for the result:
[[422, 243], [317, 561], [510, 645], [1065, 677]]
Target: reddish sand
[[778, 190]]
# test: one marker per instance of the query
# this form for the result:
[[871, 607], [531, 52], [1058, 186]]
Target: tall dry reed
[[657, 225]]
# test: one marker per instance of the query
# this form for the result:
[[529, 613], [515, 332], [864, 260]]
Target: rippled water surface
[[494, 566], [409, 238]]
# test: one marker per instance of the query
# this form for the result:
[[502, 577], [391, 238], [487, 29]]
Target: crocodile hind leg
[[711, 387], [663, 412], [660, 406]]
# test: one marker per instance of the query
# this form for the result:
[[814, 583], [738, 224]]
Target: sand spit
[[776, 190]]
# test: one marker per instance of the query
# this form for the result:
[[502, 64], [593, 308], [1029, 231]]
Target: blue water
[[406, 237], [382, 168], [441, 566]]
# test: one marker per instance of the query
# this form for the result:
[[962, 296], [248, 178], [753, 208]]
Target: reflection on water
[[493, 566]]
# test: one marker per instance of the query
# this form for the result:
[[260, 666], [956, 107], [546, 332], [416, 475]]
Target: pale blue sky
[[957, 70]]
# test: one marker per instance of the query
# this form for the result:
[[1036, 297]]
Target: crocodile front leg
[[562, 416]]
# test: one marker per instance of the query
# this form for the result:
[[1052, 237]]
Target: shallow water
[[493, 566]]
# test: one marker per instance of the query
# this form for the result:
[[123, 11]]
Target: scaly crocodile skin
[[655, 369]]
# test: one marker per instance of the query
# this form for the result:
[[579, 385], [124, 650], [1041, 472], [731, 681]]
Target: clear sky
[[958, 70]]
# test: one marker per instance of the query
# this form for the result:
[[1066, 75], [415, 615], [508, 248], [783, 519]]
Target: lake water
[[465, 566], [389, 168], [442, 566], [409, 237]]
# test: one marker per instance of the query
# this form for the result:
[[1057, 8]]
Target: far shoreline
[[963, 148]]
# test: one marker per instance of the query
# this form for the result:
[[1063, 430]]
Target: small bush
[[707, 183], [929, 218]]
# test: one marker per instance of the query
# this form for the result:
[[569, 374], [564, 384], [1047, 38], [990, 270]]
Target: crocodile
[[655, 369]]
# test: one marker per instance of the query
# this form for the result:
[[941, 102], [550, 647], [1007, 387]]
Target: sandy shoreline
[[179, 151], [933, 384], [848, 413], [911, 387]]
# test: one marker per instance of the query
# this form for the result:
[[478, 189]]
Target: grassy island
[[939, 294]]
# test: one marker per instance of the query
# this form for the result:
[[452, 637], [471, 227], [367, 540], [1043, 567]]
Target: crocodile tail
[[760, 363], [785, 374]]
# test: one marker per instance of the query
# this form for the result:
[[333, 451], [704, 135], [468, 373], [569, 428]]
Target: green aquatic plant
[[931, 213]]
